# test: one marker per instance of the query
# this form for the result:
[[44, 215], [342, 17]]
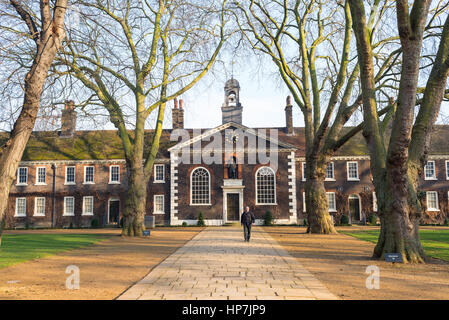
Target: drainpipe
[[53, 167]]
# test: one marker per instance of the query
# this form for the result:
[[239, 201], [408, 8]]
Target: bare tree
[[134, 56], [47, 33], [310, 44], [396, 166]]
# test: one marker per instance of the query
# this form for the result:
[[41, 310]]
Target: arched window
[[265, 186], [200, 186]]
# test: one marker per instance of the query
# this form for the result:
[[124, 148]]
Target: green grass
[[434, 242], [17, 248]]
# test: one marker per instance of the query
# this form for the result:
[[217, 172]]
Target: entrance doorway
[[354, 207], [114, 211], [233, 206]]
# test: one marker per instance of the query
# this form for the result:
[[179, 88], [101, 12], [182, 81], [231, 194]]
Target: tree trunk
[[399, 224], [13, 150], [2, 226], [48, 44], [398, 208], [318, 217], [135, 201]]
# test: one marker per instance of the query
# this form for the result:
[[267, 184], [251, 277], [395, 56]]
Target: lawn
[[435, 242], [17, 248]]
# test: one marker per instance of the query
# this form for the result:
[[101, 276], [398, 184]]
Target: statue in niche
[[233, 169]]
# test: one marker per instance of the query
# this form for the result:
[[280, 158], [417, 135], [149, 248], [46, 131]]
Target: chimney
[[289, 117], [178, 115], [68, 119]]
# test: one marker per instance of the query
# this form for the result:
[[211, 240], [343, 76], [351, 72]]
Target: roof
[[106, 144]]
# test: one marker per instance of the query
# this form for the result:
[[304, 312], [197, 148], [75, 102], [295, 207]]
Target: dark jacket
[[247, 218]]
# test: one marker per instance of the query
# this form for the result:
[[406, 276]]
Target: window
[[22, 176], [200, 186], [69, 175], [331, 201], [432, 201], [159, 174], [39, 206], [88, 206], [69, 206], [447, 169], [41, 175], [374, 202], [330, 172], [89, 173], [265, 186], [353, 170], [303, 202], [303, 171], [158, 204], [114, 174], [21, 207], [429, 171]]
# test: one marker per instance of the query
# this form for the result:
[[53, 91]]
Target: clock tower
[[232, 108]]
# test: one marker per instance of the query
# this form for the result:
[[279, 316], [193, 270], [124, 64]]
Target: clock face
[[231, 137]]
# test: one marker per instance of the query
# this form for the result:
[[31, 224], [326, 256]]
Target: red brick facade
[[103, 191]]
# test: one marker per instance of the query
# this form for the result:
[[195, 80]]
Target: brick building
[[74, 177]]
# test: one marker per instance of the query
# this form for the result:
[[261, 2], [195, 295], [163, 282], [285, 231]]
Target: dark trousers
[[247, 230]]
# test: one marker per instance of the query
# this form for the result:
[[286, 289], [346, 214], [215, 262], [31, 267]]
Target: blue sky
[[262, 98]]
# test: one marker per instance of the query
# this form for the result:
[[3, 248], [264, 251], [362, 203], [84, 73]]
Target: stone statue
[[232, 169]]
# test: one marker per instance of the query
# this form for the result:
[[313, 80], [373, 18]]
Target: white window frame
[[110, 174], [274, 178], [154, 204], [87, 213], [436, 199], [69, 214], [38, 214], [347, 171], [18, 177], [85, 175], [374, 201], [24, 214], [303, 170], [446, 163], [434, 176], [334, 209], [74, 176], [163, 173], [37, 183], [191, 189], [333, 172]]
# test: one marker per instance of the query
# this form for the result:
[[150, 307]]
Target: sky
[[263, 103]]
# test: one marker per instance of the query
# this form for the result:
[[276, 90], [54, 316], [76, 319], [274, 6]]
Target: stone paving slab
[[218, 264]]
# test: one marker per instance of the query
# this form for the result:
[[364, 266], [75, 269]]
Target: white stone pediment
[[235, 126]]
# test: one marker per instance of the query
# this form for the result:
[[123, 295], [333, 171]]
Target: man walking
[[247, 220]]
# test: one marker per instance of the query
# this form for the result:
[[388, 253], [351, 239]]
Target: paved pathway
[[218, 264]]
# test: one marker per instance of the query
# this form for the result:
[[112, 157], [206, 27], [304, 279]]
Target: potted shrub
[[268, 218], [344, 220], [201, 222]]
